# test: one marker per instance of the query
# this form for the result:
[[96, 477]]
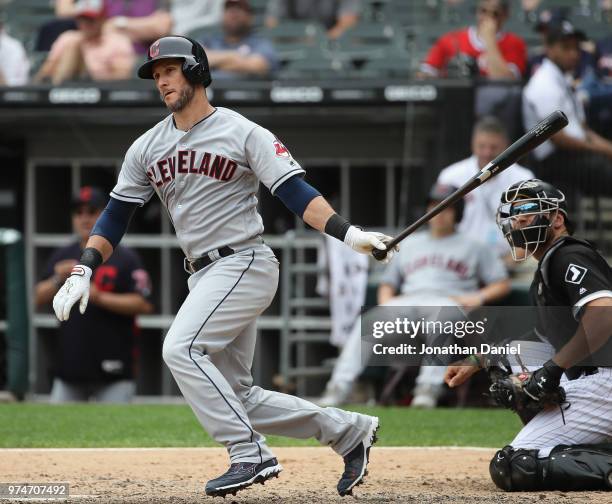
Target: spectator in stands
[[179, 17], [237, 53], [596, 85], [434, 268], [550, 18], [141, 20], [489, 139], [576, 157], [89, 52], [14, 66], [529, 6], [95, 351], [483, 49], [336, 15]]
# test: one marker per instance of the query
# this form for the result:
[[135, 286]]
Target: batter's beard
[[186, 95]]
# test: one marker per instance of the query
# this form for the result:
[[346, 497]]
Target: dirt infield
[[178, 475]]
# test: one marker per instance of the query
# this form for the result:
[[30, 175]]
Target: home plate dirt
[[176, 475]]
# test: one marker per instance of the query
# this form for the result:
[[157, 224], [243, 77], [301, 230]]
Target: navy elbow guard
[[296, 194], [114, 220]]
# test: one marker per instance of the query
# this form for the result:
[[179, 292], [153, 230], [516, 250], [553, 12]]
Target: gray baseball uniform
[[442, 267], [426, 272], [207, 178]]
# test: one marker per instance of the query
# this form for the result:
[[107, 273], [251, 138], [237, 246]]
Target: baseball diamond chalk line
[[204, 448]]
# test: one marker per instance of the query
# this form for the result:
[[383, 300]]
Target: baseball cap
[[440, 192], [90, 196], [563, 30], [548, 17], [241, 4], [89, 8]]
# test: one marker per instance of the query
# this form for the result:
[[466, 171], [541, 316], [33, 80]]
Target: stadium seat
[[313, 68], [368, 41], [201, 34], [370, 34], [411, 13], [292, 52], [37, 58], [296, 39], [388, 68], [294, 31]]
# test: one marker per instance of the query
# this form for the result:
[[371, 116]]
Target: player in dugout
[[567, 442], [437, 267], [95, 350]]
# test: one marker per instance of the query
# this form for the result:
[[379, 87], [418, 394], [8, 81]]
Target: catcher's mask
[[526, 213]]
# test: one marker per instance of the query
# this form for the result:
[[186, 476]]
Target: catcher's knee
[[575, 467], [515, 470]]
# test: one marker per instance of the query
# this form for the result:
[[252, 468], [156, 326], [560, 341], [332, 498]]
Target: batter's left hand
[[544, 380], [76, 288], [364, 242]]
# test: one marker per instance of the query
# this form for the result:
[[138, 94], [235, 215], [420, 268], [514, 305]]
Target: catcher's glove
[[508, 390]]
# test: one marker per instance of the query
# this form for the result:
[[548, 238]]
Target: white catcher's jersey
[[207, 177]]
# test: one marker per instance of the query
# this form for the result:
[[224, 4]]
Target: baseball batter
[[205, 164], [567, 447]]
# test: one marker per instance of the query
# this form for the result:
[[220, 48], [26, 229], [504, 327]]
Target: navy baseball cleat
[[356, 461], [241, 475]]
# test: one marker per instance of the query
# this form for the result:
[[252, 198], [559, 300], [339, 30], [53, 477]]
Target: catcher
[[566, 404]]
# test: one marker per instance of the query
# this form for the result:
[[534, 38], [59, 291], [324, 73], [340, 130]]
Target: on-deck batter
[[205, 164]]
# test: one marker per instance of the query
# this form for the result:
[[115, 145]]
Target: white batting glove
[[75, 287], [364, 242]]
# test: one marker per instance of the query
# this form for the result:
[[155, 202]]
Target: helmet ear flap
[[195, 71]]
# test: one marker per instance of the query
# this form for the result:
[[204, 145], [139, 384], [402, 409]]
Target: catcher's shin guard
[[575, 467]]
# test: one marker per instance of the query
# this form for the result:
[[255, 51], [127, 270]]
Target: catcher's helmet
[[195, 62], [440, 192], [529, 198]]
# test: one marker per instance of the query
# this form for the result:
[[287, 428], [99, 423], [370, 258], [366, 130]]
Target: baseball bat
[[537, 135]]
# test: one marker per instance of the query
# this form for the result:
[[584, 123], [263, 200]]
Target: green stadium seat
[[207, 32], [296, 39], [294, 31], [37, 58], [293, 52], [368, 41], [388, 68], [370, 34], [411, 13], [313, 68]]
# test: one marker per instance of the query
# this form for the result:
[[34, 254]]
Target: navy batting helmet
[[195, 62], [440, 192]]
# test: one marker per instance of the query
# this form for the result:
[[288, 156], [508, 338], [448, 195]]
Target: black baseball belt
[[196, 265]]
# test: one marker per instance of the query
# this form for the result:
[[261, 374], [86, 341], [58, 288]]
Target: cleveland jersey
[[207, 177], [447, 266]]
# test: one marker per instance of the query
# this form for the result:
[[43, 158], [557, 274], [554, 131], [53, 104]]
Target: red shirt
[[466, 41]]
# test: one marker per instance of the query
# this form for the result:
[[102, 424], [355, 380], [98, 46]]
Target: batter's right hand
[[74, 289], [364, 242]]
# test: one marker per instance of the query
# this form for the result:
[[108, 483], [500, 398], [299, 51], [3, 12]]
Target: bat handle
[[379, 254]]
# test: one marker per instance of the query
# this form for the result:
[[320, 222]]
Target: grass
[[33, 425]]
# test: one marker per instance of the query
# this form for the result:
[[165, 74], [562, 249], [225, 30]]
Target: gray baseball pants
[[209, 350]]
